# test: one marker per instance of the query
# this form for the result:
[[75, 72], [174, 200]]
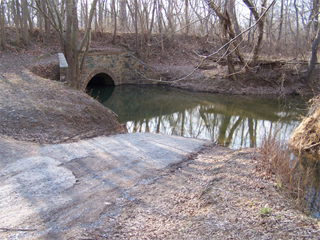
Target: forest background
[[235, 32]]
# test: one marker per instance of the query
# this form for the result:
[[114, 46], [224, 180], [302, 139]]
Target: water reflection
[[103, 93], [232, 121]]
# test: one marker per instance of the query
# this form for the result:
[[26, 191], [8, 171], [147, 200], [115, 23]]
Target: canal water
[[229, 120]]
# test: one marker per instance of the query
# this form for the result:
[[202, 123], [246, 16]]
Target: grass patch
[[264, 211]]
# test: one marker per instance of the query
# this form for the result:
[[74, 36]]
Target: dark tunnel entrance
[[101, 87], [100, 80]]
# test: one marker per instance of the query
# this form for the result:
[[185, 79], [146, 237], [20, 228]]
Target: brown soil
[[216, 81], [219, 194]]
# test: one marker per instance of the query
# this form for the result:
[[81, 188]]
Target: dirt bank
[[40, 110]]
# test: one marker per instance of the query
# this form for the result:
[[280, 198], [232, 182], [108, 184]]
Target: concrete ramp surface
[[60, 191]]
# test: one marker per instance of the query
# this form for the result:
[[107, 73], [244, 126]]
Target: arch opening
[[101, 87], [100, 80]]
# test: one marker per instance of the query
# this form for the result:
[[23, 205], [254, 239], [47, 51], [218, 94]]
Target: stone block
[[63, 65]]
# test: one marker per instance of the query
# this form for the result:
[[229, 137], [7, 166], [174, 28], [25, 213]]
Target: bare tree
[[123, 15], [228, 34], [160, 20], [136, 9], [114, 9], [297, 26], [69, 34], [16, 14], [260, 21], [313, 60], [3, 39], [281, 20], [84, 13], [149, 28], [186, 16], [30, 20], [233, 17], [25, 29]]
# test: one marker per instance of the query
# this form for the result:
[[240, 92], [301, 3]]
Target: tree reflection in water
[[232, 121]]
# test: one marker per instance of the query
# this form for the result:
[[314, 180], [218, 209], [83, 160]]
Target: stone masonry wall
[[119, 65]]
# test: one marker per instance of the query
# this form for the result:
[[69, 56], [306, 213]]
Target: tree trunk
[[16, 20], [30, 22], [187, 16], [313, 18], [149, 31], [136, 25], [25, 31], [8, 15], [3, 39], [123, 15], [100, 14], [86, 14], [298, 27], [313, 60], [70, 46], [160, 27], [115, 23], [228, 34], [316, 15], [250, 32], [233, 17], [256, 15], [281, 21], [231, 68], [46, 21], [40, 22], [232, 35]]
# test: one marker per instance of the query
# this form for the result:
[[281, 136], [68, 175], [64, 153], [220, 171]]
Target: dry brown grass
[[295, 176], [306, 137]]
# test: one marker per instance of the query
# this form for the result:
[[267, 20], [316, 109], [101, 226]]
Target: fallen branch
[[311, 146]]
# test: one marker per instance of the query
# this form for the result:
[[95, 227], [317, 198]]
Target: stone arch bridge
[[109, 67]]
